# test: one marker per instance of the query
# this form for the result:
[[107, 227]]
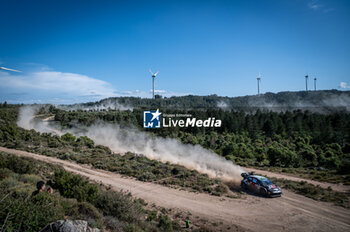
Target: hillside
[[302, 144], [317, 101]]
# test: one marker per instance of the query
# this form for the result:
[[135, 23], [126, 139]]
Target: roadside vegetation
[[294, 140], [313, 173], [74, 198], [83, 150], [310, 145], [314, 192]]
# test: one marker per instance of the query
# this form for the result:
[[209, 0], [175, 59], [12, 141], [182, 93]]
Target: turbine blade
[[156, 73], [8, 69], [150, 71]]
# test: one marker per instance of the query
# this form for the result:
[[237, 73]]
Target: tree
[[68, 137]]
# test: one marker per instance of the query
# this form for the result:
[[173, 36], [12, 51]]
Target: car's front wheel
[[263, 192]]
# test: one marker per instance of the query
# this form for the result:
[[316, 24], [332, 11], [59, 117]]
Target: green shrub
[[70, 206], [88, 212], [314, 192], [85, 141], [221, 188], [5, 172], [119, 205], [113, 224], [9, 184], [68, 138], [74, 186], [132, 228], [165, 223], [16, 164], [30, 178], [152, 215], [30, 214]]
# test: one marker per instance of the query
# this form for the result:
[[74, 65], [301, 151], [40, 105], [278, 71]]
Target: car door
[[255, 185], [250, 183]]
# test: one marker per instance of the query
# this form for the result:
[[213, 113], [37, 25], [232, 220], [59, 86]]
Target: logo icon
[[151, 119]]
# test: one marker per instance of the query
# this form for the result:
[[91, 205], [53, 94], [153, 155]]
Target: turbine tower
[[315, 79], [306, 79], [8, 69], [259, 80], [153, 77]]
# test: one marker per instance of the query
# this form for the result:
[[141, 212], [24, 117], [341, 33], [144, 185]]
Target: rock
[[69, 226]]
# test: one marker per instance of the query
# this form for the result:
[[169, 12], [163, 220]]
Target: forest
[[288, 139], [322, 101], [300, 141], [284, 139]]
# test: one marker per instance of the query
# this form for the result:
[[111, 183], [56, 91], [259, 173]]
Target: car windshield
[[266, 182]]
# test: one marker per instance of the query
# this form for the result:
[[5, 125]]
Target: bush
[[30, 178], [314, 192], [165, 223], [9, 184], [283, 157], [85, 141], [70, 206], [221, 188], [113, 224], [16, 164], [74, 186], [5, 172], [119, 205], [68, 138], [32, 214], [89, 213]]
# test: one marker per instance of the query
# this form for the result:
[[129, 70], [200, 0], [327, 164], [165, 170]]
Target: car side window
[[255, 181], [250, 179]]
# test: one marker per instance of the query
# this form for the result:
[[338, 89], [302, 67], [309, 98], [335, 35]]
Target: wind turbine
[[315, 79], [259, 79], [306, 79], [8, 69], [153, 77]]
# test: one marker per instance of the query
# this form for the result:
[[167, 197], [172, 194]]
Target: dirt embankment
[[291, 212]]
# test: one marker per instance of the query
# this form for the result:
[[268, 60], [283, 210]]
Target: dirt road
[[336, 187], [291, 212]]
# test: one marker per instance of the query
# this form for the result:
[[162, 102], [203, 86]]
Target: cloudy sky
[[76, 51]]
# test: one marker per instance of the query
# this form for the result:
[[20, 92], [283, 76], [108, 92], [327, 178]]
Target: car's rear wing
[[246, 174]]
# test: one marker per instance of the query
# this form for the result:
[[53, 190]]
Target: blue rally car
[[260, 185]]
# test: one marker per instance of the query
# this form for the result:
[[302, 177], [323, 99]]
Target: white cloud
[[55, 87], [144, 94], [166, 93], [314, 4], [317, 6], [57, 82], [159, 91], [344, 85]]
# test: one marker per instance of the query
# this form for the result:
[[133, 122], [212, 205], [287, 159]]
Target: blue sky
[[74, 51]]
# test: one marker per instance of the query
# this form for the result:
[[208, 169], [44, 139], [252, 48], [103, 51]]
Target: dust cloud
[[122, 140], [108, 104]]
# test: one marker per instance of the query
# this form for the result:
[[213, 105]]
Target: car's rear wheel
[[263, 192]]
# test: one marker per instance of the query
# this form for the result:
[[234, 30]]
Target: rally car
[[260, 185]]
